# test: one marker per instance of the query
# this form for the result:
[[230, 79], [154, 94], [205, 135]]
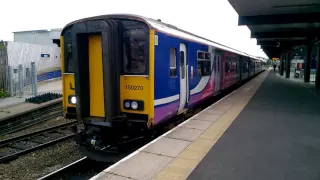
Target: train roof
[[166, 28]]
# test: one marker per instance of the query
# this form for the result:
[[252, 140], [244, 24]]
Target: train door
[[218, 72], [183, 77], [97, 50], [96, 76]]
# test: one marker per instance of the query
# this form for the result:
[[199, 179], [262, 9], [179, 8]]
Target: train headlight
[[127, 104], [134, 105], [137, 105], [72, 99]]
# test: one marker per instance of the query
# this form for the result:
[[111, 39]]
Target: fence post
[[34, 79], [21, 83], [10, 79]]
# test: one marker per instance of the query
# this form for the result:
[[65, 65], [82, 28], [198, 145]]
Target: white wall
[[23, 53]]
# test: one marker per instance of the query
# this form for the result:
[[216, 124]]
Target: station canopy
[[279, 25]]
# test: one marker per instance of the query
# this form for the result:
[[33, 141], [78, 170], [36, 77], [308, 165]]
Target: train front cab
[[107, 67]]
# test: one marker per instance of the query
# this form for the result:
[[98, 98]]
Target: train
[[123, 75]]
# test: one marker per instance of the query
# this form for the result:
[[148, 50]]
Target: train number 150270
[[134, 88]]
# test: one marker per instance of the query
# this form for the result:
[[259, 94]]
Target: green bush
[[4, 93], [2, 45]]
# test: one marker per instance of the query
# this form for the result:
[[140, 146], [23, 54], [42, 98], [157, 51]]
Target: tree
[[2, 45]]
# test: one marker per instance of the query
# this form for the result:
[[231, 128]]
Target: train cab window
[[173, 62], [204, 64], [69, 65], [135, 51]]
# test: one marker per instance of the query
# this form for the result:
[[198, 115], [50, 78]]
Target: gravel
[[46, 124], [41, 162]]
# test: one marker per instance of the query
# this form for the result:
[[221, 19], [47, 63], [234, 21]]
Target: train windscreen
[[135, 48]]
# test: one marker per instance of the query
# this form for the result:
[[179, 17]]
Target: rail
[[14, 147], [29, 118]]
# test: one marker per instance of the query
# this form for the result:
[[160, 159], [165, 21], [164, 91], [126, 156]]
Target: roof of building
[[39, 30]]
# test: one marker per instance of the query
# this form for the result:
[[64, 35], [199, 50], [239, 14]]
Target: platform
[[50, 86], [13, 106], [268, 131]]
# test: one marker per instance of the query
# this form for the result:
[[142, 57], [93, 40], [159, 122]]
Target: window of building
[[204, 64], [173, 62]]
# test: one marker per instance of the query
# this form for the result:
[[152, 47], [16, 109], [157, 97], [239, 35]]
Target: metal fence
[[20, 80], [300, 74]]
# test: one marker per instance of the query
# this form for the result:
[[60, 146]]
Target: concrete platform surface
[[12, 106], [50, 86], [175, 154], [18, 109], [276, 136], [15, 105]]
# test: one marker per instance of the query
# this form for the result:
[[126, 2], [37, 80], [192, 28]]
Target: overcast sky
[[212, 19]]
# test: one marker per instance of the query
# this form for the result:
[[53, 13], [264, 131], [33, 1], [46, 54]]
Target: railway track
[[12, 148], [30, 118]]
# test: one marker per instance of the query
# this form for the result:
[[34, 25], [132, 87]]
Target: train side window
[[206, 68], [200, 55], [182, 59], [173, 62], [234, 65], [227, 64], [218, 63], [199, 67], [207, 56], [204, 64]]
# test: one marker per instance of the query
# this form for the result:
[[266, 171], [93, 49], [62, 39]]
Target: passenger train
[[126, 74]]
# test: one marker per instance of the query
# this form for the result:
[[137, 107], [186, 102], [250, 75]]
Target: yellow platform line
[[186, 162]]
